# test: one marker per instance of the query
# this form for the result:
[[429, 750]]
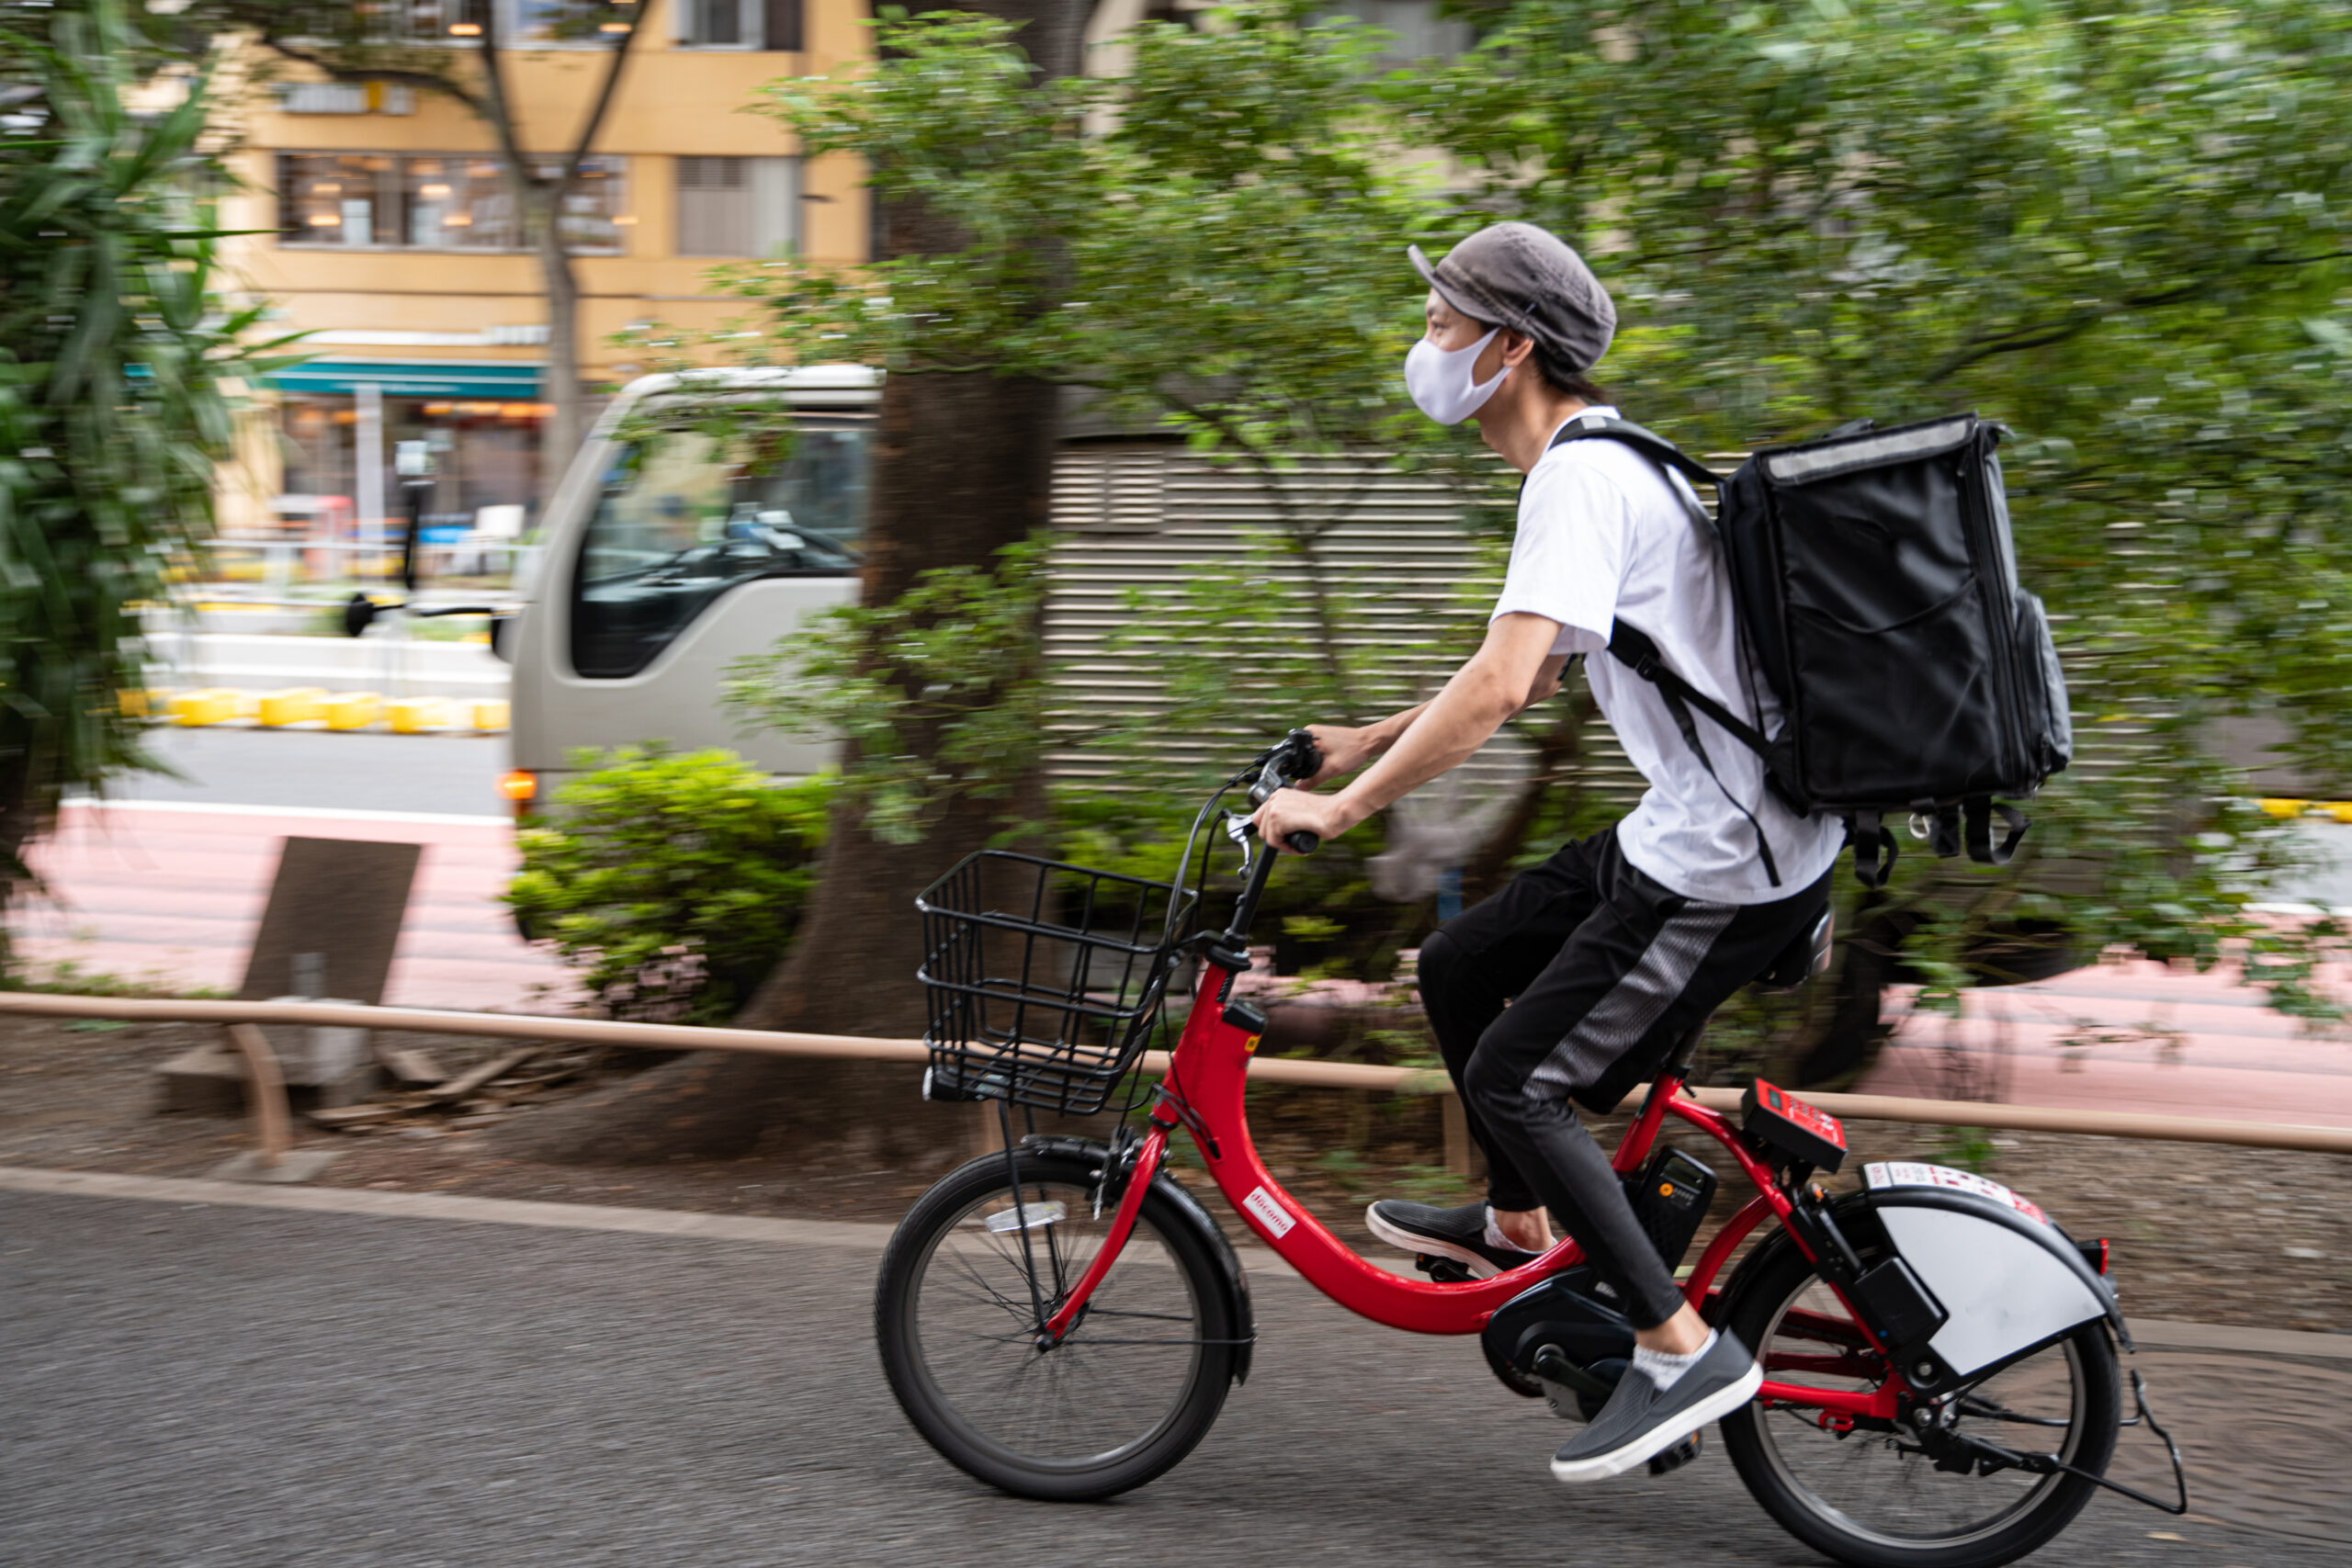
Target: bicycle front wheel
[[1877, 1498], [967, 1279]]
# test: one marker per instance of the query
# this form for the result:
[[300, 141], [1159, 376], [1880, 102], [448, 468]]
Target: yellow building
[[390, 240]]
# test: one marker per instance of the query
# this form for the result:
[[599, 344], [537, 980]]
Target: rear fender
[[2006, 1283]]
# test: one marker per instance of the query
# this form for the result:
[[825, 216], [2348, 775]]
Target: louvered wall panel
[[1137, 519]]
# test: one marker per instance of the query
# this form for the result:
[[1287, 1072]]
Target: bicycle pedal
[[1678, 1456], [1444, 1270]]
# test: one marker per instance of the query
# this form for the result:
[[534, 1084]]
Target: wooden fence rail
[[271, 1119]]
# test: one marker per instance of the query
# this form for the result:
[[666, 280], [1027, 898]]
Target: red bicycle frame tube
[[1122, 1223], [1207, 1075]]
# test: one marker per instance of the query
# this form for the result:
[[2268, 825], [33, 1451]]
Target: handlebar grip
[[1302, 842]]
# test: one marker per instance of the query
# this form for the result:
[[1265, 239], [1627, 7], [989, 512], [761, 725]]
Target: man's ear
[[1516, 346]]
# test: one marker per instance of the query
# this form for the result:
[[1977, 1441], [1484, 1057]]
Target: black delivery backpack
[[1875, 587]]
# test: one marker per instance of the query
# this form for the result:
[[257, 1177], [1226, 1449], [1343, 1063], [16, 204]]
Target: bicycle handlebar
[[1295, 757]]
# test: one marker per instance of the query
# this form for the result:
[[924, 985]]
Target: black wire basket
[[1045, 979]]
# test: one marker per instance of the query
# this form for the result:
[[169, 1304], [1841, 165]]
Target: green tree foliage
[[2119, 228], [120, 376], [1227, 240], [937, 693], [1224, 249], [671, 882]]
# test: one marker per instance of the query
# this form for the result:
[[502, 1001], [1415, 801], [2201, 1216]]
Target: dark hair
[[1557, 373], [1561, 376]]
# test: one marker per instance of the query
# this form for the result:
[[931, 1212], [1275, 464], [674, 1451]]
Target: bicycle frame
[[1203, 1092]]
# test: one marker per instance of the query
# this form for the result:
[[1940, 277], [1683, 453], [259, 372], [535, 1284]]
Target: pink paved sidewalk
[[175, 893], [2130, 1036]]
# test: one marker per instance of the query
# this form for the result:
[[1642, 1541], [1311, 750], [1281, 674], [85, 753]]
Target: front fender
[[1237, 1282], [1185, 1209]]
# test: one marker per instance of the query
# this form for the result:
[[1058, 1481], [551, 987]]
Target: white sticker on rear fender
[[1883, 1174], [1277, 1220]]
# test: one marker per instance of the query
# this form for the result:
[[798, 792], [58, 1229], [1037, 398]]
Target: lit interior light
[[465, 29], [433, 193], [325, 221], [326, 188], [624, 218], [456, 221], [613, 28]]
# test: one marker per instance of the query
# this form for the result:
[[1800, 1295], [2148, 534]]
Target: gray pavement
[[313, 769], [190, 1383]]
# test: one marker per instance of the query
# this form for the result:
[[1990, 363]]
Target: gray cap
[[1517, 276]]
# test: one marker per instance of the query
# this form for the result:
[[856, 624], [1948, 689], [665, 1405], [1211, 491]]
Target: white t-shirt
[[1603, 533]]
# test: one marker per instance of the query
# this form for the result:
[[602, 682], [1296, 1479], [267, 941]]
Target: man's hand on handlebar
[[1344, 748], [1292, 810]]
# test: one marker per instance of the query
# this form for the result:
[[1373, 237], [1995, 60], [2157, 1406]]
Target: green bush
[[672, 882]]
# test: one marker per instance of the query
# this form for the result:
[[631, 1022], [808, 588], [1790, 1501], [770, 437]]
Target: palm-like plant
[[120, 373]]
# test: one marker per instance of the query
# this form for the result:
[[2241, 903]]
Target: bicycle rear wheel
[[1128, 1391], [1874, 1498]]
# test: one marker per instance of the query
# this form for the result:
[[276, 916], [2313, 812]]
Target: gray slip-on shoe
[[1459, 1234], [1638, 1421]]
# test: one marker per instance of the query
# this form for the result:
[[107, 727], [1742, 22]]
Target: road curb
[[2151, 1334]]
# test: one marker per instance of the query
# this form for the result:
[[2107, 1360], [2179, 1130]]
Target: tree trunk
[[962, 467], [567, 423]]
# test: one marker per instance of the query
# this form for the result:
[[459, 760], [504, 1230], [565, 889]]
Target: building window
[[338, 199], [522, 24], [566, 21], [428, 21], [740, 24], [738, 207], [435, 201]]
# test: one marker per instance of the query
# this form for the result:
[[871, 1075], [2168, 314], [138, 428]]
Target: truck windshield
[[695, 502]]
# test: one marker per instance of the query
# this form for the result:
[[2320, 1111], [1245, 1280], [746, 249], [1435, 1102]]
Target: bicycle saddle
[[1799, 961]]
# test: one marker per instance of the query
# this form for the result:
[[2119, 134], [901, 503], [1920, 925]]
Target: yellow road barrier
[[491, 713], [296, 705], [414, 716], [353, 710], [210, 705]]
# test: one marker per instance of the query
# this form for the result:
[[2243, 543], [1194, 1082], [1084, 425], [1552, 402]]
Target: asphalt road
[[199, 1384], [453, 774]]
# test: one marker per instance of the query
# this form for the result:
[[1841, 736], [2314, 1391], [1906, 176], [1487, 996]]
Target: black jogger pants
[[1604, 972]]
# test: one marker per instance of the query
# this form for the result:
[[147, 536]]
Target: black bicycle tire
[[919, 1396], [1744, 1441]]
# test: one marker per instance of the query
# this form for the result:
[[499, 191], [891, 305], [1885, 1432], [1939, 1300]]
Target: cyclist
[[1610, 951]]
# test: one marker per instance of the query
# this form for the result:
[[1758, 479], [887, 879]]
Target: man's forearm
[[1440, 735], [1385, 733]]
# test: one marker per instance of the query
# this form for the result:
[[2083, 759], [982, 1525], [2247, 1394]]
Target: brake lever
[[1243, 830]]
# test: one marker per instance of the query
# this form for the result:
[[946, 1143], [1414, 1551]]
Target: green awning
[[502, 382]]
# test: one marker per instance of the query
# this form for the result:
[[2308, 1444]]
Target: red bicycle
[[1063, 1320]]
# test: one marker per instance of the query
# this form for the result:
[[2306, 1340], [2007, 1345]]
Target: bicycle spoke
[[1886, 1486], [1089, 1396]]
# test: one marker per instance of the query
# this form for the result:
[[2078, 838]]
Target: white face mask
[[1442, 381]]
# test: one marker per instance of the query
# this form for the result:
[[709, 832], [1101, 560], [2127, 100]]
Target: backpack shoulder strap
[[1650, 444], [1633, 647]]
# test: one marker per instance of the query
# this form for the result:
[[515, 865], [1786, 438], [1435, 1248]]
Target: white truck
[[677, 543]]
